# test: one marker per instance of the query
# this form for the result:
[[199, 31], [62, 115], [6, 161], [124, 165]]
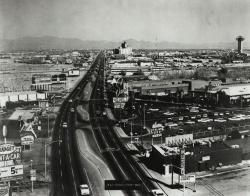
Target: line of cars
[[171, 118]]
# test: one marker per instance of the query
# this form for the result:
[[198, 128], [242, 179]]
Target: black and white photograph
[[124, 97]]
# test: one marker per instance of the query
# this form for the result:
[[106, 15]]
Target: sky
[[186, 21]]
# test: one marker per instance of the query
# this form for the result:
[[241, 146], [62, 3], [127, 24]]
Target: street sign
[[14, 153], [187, 178], [33, 175], [4, 190], [122, 185], [15, 170]]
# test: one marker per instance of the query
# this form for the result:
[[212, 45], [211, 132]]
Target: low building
[[199, 156], [232, 93], [24, 96], [158, 87]]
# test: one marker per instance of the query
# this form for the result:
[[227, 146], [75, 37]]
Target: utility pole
[[144, 125], [131, 132], [32, 184]]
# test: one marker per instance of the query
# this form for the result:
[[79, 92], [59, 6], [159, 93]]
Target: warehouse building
[[162, 87], [199, 156]]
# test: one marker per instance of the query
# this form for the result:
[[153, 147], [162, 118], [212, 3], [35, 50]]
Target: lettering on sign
[[6, 148], [11, 171], [27, 140], [14, 155], [187, 178]]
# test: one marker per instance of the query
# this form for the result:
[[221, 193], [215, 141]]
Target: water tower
[[240, 39]]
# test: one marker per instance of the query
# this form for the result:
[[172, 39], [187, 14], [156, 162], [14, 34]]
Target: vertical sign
[[182, 152]]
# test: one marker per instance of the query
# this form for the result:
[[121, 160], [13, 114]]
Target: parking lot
[[201, 122]]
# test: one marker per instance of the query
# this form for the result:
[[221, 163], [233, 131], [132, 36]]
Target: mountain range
[[50, 42]]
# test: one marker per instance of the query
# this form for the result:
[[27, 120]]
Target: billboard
[[187, 179], [179, 139], [10, 171], [27, 140], [23, 97], [7, 148], [32, 97], [120, 99], [10, 152]]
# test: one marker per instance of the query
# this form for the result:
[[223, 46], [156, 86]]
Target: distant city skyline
[[185, 21]]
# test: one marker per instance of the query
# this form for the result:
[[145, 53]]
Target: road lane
[[94, 165]]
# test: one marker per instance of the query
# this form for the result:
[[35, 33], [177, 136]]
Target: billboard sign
[[12, 154], [179, 139], [182, 154], [187, 178], [157, 129], [7, 148], [10, 171], [120, 99], [27, 139]]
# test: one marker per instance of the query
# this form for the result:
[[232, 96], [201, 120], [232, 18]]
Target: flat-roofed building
[[200, 156]]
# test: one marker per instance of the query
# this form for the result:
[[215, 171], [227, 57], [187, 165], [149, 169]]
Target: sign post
[[33, 175]]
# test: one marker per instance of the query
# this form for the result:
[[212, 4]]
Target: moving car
[[64, 125], [84, 188], [157, 192]]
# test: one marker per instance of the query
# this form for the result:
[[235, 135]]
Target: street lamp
[[131, 132], [45, 159], [144, 125]]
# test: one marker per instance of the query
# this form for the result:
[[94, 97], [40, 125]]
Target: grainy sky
[[190, 21]]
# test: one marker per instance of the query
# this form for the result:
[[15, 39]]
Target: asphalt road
[[65, 173], [75, 161]]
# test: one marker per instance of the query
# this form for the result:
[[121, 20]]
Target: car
[[220, 120], [189, 122], [157, 192], [205, 120], [65, 125], [70, 101], [72, 109], [235, 119], [84, 188]]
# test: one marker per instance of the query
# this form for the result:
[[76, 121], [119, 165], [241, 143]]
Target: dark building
[[198, 157]]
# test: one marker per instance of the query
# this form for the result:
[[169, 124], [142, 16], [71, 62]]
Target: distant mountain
[[50, 42]]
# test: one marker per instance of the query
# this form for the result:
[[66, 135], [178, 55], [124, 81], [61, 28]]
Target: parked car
[[220, 120]]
